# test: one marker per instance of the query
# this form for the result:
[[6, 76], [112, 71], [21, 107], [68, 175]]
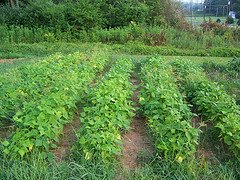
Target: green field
[[105, 114], [196, 20]]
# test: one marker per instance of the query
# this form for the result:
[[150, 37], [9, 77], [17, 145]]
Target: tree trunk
[[11, 3]]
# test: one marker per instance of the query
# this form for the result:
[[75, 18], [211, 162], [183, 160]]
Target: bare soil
[[209, 146], [67, 140], [10, 61], [5, 131], [69, 137], [135, 140]]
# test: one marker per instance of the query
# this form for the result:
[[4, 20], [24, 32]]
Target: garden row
[[39, 99], [107, 113], [169, 117], [211, 102]]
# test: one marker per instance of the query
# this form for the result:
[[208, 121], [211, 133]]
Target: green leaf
[[21, 152], [6, 151], [5, 143], [38, 142], [83, 114]]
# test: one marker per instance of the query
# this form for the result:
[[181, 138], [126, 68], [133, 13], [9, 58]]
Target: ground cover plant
[[44, 100], [108, 113], [169, 117], [212, 102]]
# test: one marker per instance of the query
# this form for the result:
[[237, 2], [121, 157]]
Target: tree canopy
[[87, 14]]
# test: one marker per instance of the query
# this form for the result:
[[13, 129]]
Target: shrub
[[234, 65], [229, 20]]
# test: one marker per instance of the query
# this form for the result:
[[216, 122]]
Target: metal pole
[[229, 5], [191, 10]]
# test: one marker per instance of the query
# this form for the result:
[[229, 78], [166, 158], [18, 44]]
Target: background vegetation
[[86, 14], [155, 23]]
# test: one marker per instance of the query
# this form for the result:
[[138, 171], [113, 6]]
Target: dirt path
[[69, 137], [67, 140], [10, 61], [5, 131], [135, 141]]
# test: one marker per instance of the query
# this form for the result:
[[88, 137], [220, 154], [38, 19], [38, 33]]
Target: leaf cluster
[[168, 115], [109, 111], [212, 102], [45, 100]]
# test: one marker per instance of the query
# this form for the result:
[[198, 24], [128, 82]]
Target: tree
[[87, 14], [122, 13]]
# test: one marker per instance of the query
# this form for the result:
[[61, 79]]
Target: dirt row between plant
[[135, 141], [67, 140], [10, 61], [69, 136]]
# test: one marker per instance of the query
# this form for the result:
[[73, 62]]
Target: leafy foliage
[[212, 102], [168, 115], [109, 111], [44, 100], [234, 65], [86, 14]]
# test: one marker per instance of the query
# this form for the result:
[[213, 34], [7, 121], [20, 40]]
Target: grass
[[34, 52], [21, 50], [78, 168], [35, 168], [199, 59], [195, 59], [196, 20], [231, 84], [13, 63], [9, 51], [22, 54]]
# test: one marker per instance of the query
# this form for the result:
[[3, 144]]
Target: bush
[[217, 28], [212, 102], [229, 20], [234, 65]]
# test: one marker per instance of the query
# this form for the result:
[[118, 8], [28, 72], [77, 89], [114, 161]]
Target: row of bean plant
[[32, 82], [108, 112], [212, 102], [169, 117], [50, 91]]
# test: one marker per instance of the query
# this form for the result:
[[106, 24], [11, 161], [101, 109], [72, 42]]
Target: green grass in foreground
[[78, 168]]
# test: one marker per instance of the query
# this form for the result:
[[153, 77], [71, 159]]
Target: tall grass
[[20, 34], [148, 35]]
